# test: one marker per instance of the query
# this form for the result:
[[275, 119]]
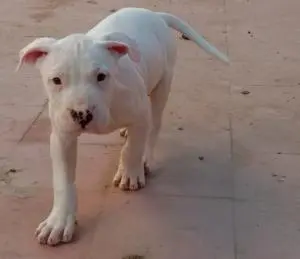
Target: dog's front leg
[[60, 224], [131, 173]]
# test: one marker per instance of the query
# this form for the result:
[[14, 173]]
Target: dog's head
[[79, 75]]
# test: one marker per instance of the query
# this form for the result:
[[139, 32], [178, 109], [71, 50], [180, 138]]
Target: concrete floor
[[242, 201]]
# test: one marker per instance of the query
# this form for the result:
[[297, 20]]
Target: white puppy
[[117, 75]]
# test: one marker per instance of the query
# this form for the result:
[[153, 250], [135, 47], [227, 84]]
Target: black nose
[[83, 118]]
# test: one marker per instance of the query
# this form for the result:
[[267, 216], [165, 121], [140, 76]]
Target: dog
[[116, 76]]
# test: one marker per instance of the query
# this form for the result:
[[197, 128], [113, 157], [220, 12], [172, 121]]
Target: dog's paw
[[130, 182], [57, 228], [123, 133]]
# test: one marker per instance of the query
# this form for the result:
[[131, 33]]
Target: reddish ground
[[242, 200]]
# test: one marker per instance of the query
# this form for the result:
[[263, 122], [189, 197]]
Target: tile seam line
[[226, 27], [33, 122], [233, 200], [199, 197]]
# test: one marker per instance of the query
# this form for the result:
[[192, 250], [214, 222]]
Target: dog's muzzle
[[83, 118]]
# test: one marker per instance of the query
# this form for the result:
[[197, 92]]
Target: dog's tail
[[184, 28]]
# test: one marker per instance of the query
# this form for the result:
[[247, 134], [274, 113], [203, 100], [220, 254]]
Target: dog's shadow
[[190, 171], [181, 170]]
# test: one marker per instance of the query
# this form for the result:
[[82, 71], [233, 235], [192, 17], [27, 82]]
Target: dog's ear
[[120, 44], [34, 51]]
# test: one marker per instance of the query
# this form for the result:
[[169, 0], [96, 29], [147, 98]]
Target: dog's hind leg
[[123, 133], [158, 98]]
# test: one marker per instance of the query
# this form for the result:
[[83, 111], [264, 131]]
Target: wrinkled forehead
[[76, 53]]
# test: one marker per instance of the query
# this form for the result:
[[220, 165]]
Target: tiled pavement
[[242, 201]]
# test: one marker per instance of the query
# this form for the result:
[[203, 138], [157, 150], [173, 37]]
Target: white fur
[[133, 96]]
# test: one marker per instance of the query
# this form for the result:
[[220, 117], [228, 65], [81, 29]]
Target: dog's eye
[[56, 81], [101, 77]]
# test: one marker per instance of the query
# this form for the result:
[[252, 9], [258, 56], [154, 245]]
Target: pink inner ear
[[33, 56], [123, 49], [119, 48]]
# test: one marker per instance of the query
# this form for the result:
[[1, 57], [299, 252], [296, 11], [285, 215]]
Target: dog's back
[[152, 35]]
